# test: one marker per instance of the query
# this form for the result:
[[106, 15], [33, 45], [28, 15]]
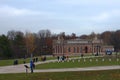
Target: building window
[[77, 49], [69, 49], [86, 49], [74, 50], [80, 49], [56, 49]]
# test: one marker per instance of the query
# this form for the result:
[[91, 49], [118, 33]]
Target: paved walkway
[[21, 69], [80, 69]]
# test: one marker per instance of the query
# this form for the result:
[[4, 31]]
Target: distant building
[[79, 46]]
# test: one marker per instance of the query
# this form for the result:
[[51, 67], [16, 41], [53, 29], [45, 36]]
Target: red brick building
[[79, 46]]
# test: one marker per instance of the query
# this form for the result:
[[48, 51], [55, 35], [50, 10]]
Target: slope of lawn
[[20, 61], [87, 75], [88, 62], [11, 61]]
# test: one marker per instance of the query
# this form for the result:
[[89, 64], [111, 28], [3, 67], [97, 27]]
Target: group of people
[[32, 66], [62, 58], [35, 59], [15, 62], [43, 58]]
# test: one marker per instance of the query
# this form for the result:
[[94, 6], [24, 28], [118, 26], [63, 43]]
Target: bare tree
[[44, 34], [17, 43], [11, 34], [73, 35], [106, 37], [30, 42], [44, 44], [115, 40], [92, 35]]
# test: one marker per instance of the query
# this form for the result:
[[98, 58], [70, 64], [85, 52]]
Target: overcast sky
[[69, 16]]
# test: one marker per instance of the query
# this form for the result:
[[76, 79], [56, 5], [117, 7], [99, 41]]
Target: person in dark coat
[[31, 66]]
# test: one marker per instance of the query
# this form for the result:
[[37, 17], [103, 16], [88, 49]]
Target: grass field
[[20, 61], [11, 61], [87, 75], [83, 62]]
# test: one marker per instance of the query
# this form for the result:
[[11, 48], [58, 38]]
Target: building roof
[[78, 41]]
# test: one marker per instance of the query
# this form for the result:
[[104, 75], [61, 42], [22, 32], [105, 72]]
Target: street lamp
[[63, 46], [92, 49], [98, 50]]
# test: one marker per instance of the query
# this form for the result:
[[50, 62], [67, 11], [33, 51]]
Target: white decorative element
[[73, 61], [78, 60], [103, 59], [109, 59], [90, 60], [117, 59], [96, 59], [84, 60]]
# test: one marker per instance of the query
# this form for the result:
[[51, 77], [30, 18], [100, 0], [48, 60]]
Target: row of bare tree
[[24, 44], [108, 37], [17, 44]]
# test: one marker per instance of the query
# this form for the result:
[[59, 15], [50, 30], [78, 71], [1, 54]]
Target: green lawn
[[67, 64], [86, 75], [20, 61], [11, 61], [88, 62]]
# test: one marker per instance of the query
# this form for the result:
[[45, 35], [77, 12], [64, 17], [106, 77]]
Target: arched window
[[77, 49], [86, 49], [74, 50], [69, 50], [81, 49]]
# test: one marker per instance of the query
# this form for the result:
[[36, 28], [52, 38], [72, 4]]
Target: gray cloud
[[78, 16]]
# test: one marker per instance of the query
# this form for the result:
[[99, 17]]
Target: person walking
[[58, 58], [31, 66]]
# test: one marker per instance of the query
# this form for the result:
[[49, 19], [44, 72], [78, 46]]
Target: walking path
[[80, 69], [21, 69]]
